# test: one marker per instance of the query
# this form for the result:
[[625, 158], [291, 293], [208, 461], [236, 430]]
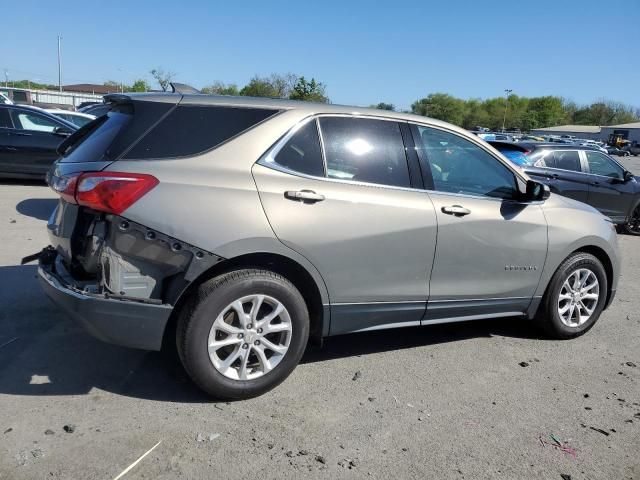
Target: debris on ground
[[126, 470], [347, 463], [372, 399], [37, 453], [303, 452], [630, 364], [21, 458], [556, 443], [199, 438], [356, 375], [564, 476], [48, 431], [320, 459], [213, 436], [586, 395], [599, 430], [523, 364], [70, 428], [12, 220], [10, 429]]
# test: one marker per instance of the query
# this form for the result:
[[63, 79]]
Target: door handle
[[305, 196], [456, 210], [555, 176], [595, 183]]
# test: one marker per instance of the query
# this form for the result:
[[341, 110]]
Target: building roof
[[570, 128], [626, 125], [91, 88]]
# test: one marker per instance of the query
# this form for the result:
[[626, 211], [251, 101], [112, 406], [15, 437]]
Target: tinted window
[[302, 151], [460, 166], [567, 160], [365, 150], [190, 130], [24, 120], [600, 164], [5, 121], [90, 143]]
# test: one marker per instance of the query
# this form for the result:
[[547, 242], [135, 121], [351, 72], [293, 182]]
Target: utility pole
[[507, 91], [59, 65], [6, 78]]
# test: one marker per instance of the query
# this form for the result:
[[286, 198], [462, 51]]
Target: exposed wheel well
[[286, 267], [601, 255]]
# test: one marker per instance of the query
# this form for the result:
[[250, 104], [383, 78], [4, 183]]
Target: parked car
[[583, 174], [618, 151], [79, 119], [96, 110], [83, 105], [240, 228], [5, 100], [29, 137], [633, 148]]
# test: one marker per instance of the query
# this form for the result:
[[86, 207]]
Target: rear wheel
[[242, 333], [632, 227], [575, 297]]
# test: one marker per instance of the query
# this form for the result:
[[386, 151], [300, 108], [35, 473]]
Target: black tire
[[208, 301], [548, 316], [632, 227]]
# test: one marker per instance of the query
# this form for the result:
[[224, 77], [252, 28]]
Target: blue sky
[[364, 51]]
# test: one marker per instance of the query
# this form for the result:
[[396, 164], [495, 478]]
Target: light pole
[[507, 91], [59, 65], [6, 78]]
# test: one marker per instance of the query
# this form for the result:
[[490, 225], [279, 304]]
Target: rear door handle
[[306, 196], [456, 210], [555, 176]]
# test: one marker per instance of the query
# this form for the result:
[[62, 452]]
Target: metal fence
[[48, 97]]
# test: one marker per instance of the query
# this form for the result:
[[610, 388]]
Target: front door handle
[[456, 210], [305, 196]]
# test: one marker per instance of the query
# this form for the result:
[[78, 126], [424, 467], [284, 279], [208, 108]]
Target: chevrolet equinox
[[241, 228]]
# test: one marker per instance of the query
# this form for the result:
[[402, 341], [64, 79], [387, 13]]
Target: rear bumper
[[122, 322]]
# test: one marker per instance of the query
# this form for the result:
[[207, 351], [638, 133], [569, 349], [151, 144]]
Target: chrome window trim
[[268, 159]]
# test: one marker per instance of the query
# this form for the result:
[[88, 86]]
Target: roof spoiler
[[183, 88]]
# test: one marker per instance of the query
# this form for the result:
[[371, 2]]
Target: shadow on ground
[[38, 208], [48, 354]]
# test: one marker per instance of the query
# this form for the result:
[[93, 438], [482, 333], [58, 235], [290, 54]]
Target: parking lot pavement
[[485, 399]]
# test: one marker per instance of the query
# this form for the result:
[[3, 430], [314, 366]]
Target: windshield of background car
[[516, 156]]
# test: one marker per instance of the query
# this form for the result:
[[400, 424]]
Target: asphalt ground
[[485, 399]]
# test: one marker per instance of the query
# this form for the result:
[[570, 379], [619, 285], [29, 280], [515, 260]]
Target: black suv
[[582, 173]]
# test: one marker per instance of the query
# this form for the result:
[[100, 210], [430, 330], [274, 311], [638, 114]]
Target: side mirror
[[62, 131], [628, 176], [536, 191]]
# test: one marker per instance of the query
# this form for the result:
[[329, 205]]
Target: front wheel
[[632, 227], [242, 333], [575, 297]]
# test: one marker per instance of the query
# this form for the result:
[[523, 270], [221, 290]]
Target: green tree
[[547, 111], [310, 91], [441, 106], [259, 87], [139, 85], [220, 88], [385, 106]]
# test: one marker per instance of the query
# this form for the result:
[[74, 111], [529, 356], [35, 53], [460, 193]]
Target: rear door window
[[91, 142], [5, 121], [33, 121], [302, 153], [194, 129], [567, 160], [365, 150]]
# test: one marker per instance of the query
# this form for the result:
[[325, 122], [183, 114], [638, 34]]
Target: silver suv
[[241, 228]]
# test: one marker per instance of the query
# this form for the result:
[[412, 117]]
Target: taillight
[[111, 192]]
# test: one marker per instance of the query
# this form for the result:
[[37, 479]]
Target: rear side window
[[5, 121], [365, 150], [91, 142], [191, 130], [567, 160], [302, 151]]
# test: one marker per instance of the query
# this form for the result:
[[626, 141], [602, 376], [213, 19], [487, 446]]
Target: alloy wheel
[[578, 297], [250, 337]]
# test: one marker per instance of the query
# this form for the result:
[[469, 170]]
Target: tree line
[[524, 113], [514, 112]]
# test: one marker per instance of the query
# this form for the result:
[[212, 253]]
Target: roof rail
[[183, 88]]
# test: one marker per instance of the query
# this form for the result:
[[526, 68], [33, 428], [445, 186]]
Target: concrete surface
[[448, 401]]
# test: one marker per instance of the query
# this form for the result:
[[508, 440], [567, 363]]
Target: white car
[[77, 118], [4, 99]]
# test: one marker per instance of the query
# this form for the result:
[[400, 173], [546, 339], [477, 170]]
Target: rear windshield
[[517, 157], [90, 143]]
